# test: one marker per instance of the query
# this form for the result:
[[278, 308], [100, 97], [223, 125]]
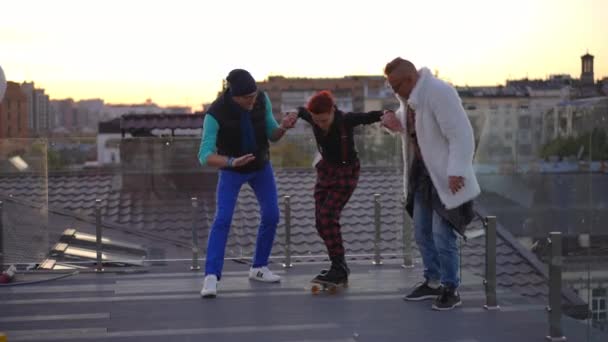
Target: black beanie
[[241, 82]]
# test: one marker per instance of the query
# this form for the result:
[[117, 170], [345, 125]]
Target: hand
[[289, 121], [456, 183], [243, 160], [390, 121]]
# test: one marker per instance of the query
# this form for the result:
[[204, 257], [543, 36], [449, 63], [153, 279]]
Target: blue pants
[[265, 189], [438, 244]]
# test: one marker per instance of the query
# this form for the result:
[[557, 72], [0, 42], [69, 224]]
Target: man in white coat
[[439, 179]]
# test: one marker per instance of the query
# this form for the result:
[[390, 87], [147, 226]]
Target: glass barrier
[[146, 186], [543, 168], [26, 235], [152, 196]]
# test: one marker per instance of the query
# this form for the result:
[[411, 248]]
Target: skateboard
[[319, 286]]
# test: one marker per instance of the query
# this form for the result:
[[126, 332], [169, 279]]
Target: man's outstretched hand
[[390, 121], [289, 120]]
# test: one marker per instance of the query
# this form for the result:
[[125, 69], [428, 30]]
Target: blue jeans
[[437, 243], [263, 184]]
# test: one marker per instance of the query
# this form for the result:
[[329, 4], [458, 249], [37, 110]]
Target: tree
[[594, 142]]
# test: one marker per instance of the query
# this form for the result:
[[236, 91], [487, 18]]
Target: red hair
[[321, 102]]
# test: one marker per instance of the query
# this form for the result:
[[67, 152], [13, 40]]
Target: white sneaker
[[209, 286], [263, 274]]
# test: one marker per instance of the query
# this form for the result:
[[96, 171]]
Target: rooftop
[[162, 304]]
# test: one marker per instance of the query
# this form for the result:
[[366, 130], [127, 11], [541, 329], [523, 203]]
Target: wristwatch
[[230, 161]]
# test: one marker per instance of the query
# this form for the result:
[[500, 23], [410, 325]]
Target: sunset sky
[[177, 52]]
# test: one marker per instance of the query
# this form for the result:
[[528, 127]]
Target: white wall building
[[508, 122], [108, 142]]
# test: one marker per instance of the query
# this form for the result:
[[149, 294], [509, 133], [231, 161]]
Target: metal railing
[[554, 308], [287, 263], [195, 249], [490, 267], [378, 227], [408, 259], [98, 236]]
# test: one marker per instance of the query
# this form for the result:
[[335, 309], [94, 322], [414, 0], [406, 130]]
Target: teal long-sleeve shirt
[[211, 127]]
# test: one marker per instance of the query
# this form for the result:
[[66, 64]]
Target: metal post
[[408, 261], [377, 260], [555, 288], [490, 276], [99, 266], [460, 258], [195, 250], [287, 263], [1, 236]]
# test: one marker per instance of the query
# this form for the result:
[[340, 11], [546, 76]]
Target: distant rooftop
[[131, 122]]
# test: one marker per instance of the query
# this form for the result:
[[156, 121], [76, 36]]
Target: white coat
[[445, 137]]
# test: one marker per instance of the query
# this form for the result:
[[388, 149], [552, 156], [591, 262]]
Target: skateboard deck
[[319, 286]]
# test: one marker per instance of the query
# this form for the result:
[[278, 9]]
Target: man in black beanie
[[236, 132], [241, 83]]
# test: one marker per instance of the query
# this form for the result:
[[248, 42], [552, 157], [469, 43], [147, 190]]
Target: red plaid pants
[[335, 184]]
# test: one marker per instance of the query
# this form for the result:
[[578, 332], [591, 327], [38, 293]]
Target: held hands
[[243, 160], [289, 121], [390, 121], [456, 183]]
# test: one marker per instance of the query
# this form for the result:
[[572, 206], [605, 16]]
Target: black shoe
[[337, 273], [423, 292], [448, 299], [333, 276], [339, 262], [321, 274]]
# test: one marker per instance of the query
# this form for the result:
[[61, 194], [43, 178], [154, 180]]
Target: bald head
[[402, 75]]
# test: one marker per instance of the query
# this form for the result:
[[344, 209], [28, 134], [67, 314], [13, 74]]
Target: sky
[[177, 52]]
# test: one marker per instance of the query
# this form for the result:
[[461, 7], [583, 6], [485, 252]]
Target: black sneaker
[[448, 299], [423, 292]]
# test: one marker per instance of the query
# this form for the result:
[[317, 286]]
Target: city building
[[14, 118], [38, 109]]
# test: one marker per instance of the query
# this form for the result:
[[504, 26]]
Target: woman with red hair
[[337, 173]]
